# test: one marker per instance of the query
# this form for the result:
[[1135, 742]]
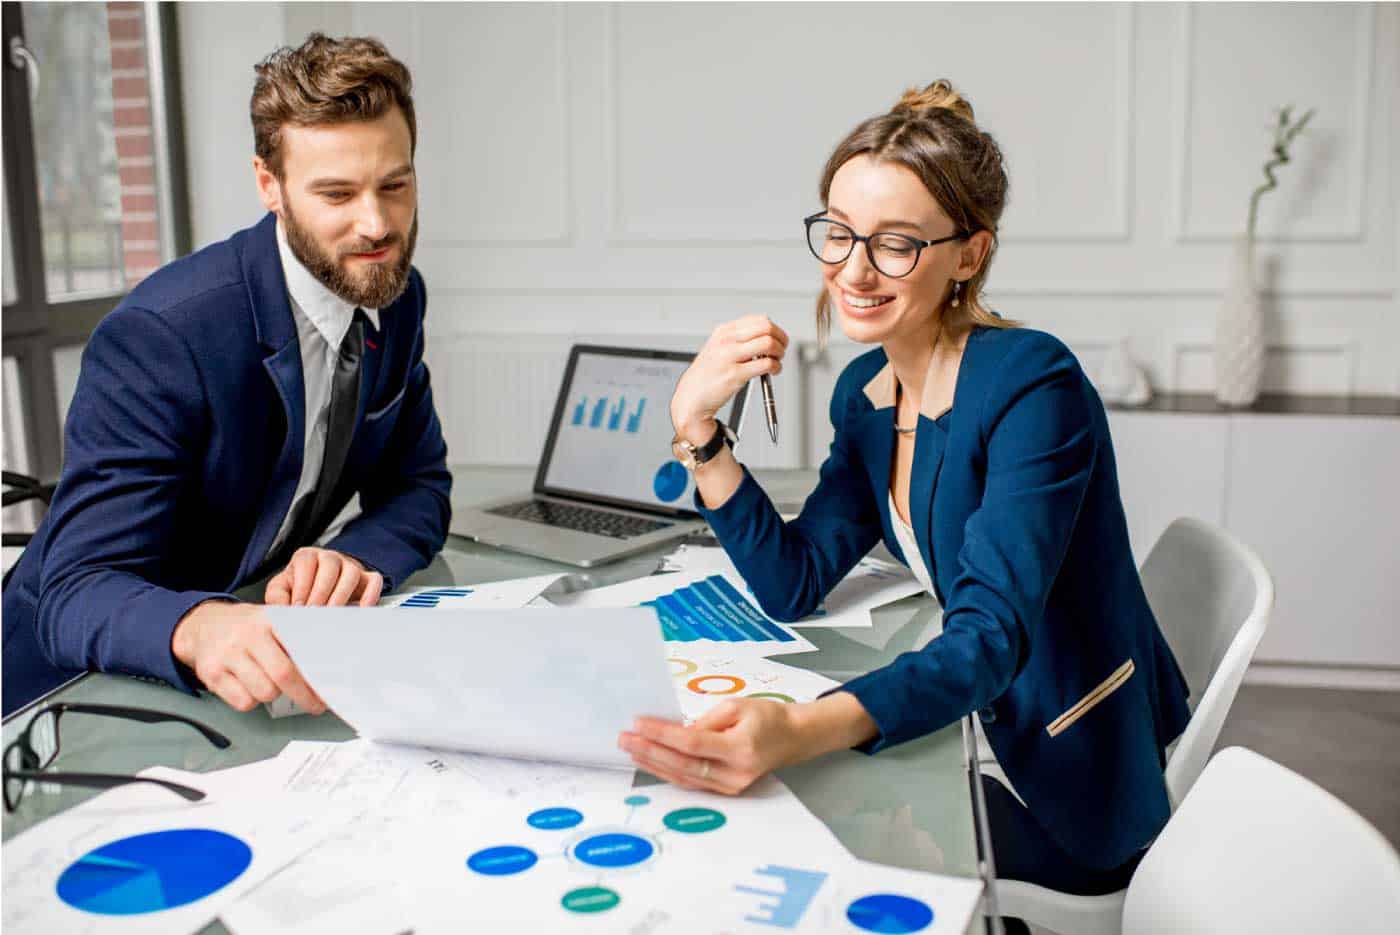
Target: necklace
[[899, 392]]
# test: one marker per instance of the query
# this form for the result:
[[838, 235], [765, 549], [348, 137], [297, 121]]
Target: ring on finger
[[705, 767]]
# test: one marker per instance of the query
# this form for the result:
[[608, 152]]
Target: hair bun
[[941, 95]]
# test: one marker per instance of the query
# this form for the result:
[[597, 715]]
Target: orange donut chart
[[686, 665], [776, 696], [736, 685]]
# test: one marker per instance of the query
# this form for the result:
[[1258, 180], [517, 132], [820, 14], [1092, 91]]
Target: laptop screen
[[611, 436]]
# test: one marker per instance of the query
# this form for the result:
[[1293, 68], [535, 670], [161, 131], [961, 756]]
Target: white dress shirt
[[322, 319]]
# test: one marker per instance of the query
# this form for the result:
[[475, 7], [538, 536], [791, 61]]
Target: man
[[233, 403]]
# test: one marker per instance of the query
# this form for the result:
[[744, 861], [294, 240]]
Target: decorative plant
[[1285, 131]]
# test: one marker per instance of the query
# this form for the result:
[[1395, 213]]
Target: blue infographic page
[[615, 437]]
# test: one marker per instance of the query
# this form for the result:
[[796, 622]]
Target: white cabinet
[[1169, 465], [1318, 497]]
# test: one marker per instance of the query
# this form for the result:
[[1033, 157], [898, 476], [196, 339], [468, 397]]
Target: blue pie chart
[[151, 872], [889, 914], [670, 481]]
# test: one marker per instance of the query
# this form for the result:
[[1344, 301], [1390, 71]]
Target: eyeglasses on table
[[30, 755]]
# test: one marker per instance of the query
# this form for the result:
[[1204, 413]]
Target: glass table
[[909, 806]]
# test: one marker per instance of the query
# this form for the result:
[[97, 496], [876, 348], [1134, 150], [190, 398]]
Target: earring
[[957, 290]]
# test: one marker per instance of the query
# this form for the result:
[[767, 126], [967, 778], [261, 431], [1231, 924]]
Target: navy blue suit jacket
[[1015, 507], [182, 451]]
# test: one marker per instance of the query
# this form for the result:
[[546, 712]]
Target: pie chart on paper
[[151, 872], [889, 914]]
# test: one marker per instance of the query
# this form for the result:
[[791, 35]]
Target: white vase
[[1239, 331], [1120, 380]]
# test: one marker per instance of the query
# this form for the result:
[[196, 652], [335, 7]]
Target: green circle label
[[694, 820], [590, 899]]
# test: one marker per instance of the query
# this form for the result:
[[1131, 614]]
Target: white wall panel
[[644, 167], [493, 138], [720, 116], [1240, 61], [220, 43]]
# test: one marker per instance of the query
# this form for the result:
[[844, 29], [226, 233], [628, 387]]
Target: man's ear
[[269, 189], [973, 254]]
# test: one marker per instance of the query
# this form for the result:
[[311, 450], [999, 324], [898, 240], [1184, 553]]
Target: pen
[[770, 408]]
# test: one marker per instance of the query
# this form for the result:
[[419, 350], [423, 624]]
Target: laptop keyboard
[[582, 518]]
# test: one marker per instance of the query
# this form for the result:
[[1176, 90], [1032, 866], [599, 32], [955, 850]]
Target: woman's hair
[[933, 134], [326, 81]]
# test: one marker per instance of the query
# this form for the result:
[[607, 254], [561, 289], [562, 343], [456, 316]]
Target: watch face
[[684, 454]]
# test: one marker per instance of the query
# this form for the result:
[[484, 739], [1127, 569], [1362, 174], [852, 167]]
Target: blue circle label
[[502, 861], [670, 481], [151, 872], [636, 800], [889, 914], [555, 819], [613, 849]]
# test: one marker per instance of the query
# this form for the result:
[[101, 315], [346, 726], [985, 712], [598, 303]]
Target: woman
[[980, 454]]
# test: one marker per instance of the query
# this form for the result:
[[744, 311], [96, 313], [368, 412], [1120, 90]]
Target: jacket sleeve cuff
[[734, 516], [878, 704], [164, 665], [363, 541]]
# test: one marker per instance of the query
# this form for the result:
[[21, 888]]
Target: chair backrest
[[1212, 597], [1257, 848]]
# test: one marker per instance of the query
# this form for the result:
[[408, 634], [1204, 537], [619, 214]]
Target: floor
[[1348, 742]]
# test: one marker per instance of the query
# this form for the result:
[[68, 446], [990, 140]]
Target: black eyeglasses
[[37, 747], [894, 255]]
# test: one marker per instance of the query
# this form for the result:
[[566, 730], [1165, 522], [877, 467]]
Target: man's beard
[[378, 285]]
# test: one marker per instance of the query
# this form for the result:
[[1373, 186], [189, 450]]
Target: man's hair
[[326, 81]]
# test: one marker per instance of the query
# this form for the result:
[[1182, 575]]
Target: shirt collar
[[328, 312]]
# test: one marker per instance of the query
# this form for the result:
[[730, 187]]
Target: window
[[94, 195]]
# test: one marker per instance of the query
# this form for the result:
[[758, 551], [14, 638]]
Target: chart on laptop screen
[[614, 439]]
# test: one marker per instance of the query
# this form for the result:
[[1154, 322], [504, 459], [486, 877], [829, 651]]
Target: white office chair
[[1257, 848], [1212, 597]]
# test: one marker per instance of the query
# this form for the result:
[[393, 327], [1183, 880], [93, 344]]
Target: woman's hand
[[740, 741], [727, 750], [736, 352]]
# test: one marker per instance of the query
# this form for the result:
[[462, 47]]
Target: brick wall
[[135, 137]]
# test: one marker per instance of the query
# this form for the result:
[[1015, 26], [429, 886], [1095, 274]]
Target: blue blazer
[[182, 451], [1047, 633]]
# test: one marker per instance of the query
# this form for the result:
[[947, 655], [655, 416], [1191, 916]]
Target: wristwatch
[[692, 456]]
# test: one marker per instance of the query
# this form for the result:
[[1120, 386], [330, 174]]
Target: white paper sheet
[[705, 679], [786, 889], [353, 881], [609, 865], [743, 628], [871, 584], [534, 684], [268, 835], [495, 595]]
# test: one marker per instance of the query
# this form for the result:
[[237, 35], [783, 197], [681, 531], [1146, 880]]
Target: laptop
[[607, 485]]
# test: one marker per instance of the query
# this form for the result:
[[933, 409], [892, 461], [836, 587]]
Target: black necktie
[[340, 420], [340, 429]]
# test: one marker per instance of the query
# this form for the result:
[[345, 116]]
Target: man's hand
[[235, 653], [317, 577]]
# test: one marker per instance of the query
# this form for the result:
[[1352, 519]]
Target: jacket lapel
[[930, 443], [877, 448], [272, 316]]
